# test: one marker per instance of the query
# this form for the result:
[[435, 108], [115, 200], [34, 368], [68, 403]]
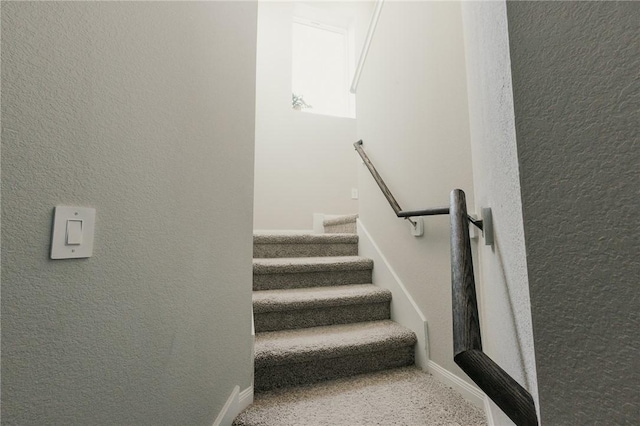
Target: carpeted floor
[[404, 396]]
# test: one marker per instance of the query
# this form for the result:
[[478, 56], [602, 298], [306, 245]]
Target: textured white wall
[[144, 111], [304, 163], [577, 98], [413, 118], [503, 283]]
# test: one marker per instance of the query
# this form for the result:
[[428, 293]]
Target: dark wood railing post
[[507, 393], [466, 322]]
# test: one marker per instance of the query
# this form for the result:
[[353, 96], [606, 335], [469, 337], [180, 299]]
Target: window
[[321, 69]]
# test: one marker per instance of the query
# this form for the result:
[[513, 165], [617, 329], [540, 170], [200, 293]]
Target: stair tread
[[341, 220], [318, 297], [268, 238], [302, 345], [399, 396], [310, 264]]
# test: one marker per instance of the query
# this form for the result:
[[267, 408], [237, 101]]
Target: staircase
[[326, 351], [316, 314]]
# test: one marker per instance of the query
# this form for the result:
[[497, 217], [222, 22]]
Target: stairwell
[[320, 322]]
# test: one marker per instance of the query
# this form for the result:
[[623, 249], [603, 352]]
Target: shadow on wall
[[514, 318]]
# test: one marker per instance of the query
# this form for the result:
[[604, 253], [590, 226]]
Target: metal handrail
[[436, 211], [514, 400]]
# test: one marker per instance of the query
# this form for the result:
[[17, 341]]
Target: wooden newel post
[[466, 322], [506, 392]]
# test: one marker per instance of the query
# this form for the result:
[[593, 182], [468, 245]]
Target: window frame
[[347, 34]]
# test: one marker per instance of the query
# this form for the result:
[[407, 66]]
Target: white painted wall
[[304, 163], [505, 310], [144, 111], [413, 118]]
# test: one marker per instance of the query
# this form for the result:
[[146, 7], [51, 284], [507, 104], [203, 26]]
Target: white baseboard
[[404, 309], [236, 402], [226, 415], [472, 394], [487, 411], [245, 399]]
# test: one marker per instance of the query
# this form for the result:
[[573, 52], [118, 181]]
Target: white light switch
[[74, 232], [73, 229]]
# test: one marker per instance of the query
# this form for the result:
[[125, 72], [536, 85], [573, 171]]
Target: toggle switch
[[74, 232], [73, 229]]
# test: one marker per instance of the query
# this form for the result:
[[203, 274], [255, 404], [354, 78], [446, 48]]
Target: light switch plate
[[59, 247]]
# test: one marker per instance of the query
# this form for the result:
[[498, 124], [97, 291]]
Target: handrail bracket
[[413, 223], [477, 222]]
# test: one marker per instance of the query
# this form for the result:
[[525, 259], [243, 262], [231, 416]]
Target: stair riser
[[332, 368], [303, 250], [343, 228], [310, 279], [303, 318]]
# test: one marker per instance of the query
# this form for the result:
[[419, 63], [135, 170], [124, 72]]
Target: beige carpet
[[403, 396]]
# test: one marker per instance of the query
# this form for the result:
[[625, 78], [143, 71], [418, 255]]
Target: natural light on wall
[[321, 69]]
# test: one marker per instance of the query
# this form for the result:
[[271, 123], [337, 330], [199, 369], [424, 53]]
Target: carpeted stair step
[[298, 272], [341, 224], [304, 245], [293, 357], [318, 306], [401, 396]]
